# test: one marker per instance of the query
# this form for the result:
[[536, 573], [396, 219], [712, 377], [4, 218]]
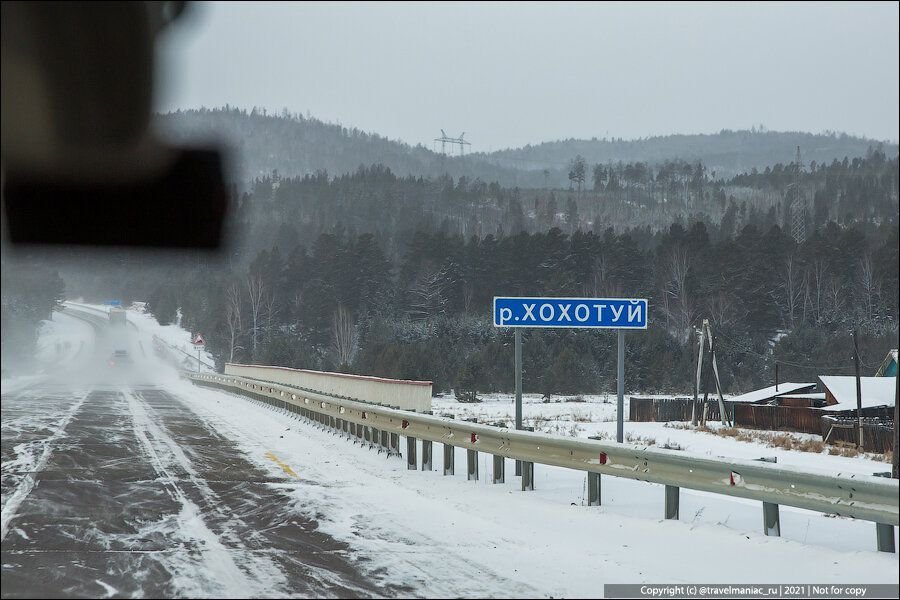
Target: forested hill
[[294, 145], [727, 153]]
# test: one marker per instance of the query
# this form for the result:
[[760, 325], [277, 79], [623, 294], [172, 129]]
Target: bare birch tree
[[345, 337], [600, 283], [677, 306], [233, 320], [271, 308], [256, 290], [836, 298], [868, 287], [819, 284], [790, 296]]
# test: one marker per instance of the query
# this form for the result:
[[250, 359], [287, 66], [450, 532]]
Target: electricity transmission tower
[[798, 204], [445, 139]]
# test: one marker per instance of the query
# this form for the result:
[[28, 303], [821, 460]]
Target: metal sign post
[[199, 342], [518, 344], [578, 313], [620, 388]]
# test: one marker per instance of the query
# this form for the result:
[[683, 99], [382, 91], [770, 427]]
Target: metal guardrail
[[392, 393], [859, 496]]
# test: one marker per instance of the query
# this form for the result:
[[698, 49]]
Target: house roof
[[888, 366], [811, 396], [875, 391], [770, 392]]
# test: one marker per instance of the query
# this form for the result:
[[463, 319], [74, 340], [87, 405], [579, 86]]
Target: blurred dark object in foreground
[[184, 207], [81, 164]]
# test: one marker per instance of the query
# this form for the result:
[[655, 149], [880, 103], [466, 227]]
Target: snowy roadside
[[173, 335], [447, 536], [61, 340]]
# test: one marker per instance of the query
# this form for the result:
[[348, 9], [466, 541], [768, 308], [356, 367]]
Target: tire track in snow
[[27, 484], [218, 569], [400, 557]]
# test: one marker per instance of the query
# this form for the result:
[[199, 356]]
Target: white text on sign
[[596, 313]]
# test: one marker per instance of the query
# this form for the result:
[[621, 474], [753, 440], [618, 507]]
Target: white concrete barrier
[[394, 393]]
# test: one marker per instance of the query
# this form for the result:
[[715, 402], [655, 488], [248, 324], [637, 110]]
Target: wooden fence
[[877, 426], [878, 435]]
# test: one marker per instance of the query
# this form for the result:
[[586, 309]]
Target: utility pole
[[776, 375], [694, 411], [859, 392]]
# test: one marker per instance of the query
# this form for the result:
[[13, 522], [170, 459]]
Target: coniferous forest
[[372, 272]]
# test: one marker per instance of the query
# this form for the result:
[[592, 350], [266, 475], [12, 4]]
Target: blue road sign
[[112, 302], [590, 313]]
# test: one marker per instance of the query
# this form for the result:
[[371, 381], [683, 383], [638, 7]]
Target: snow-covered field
[[596, 416]]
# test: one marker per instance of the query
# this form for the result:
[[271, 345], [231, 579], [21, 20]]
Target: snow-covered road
[[128, 492]]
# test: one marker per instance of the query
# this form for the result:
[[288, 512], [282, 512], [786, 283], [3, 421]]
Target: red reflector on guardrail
[[404, 424], [474, 438], [603, 458]]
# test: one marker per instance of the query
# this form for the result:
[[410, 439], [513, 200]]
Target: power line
[[742, 348]]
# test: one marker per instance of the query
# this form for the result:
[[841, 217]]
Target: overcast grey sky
[[509, 74]]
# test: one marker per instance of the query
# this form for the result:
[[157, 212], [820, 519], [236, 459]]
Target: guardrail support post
[[885, 534], [426, 455], [499, 469], [527, 476], [449, 460], [395, 444], [472, 465], [376, 438], [771, 519], [385, 442], [410, 453], [593, 484], [672, 496]]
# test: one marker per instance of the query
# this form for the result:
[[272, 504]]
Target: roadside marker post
[[198, 342]]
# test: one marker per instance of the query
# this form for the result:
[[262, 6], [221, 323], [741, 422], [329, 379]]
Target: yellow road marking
[[286, 468]]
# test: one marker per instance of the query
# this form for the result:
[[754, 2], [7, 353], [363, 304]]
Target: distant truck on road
[[117, 317]]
